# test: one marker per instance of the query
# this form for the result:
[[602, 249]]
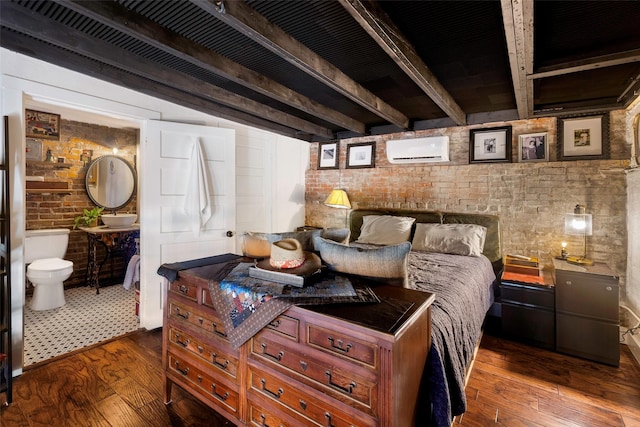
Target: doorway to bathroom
[[86, 318]]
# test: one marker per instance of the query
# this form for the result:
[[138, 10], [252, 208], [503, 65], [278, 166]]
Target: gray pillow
[[457, 239], [387, 264]]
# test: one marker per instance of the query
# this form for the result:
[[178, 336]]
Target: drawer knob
[[609, 288], [184, 316], [183, 289], [214, 359], [271, 356], [339, 345], [184, 344], [328, 417], [266, 390], [222, 397], [215, 330], [184, 371], [568, 282], [348, 389]]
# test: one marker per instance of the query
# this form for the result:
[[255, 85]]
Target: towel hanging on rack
[[197, 204]]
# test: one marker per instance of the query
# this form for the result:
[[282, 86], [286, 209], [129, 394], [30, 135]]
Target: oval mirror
[[110, 182]]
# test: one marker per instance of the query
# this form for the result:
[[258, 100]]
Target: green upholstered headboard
[[493, 242]]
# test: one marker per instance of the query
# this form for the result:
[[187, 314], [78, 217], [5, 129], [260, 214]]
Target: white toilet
[[46, 270]]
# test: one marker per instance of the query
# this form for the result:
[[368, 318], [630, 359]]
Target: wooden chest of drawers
[[338, 365]]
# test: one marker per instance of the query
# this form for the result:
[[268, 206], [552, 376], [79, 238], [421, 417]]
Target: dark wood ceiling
[[325, 69]]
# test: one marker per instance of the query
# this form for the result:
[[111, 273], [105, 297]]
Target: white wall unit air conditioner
[[418, 150]]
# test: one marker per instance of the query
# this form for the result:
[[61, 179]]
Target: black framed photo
[[583, 137], [328, 155], [490, 145], [533, 147], [42, 125], [361, 155]]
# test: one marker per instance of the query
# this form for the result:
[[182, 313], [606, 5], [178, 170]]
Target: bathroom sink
[[118, 220]]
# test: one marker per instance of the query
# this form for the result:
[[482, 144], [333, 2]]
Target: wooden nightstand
[[528, 308], [587, 318]]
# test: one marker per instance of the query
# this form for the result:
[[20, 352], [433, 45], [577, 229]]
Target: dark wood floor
[[119, 384]]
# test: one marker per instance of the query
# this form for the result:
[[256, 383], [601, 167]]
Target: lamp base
[[579, 260]]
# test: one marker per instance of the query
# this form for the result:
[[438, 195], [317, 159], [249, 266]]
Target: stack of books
[[522, 265]]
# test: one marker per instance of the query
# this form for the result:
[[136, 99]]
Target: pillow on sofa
[[385, 229], [457, 239], [387, 264]]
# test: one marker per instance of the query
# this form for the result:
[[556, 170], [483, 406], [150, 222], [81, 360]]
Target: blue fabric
[[170, 271]]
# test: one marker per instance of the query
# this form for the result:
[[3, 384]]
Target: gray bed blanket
[[463, 286]]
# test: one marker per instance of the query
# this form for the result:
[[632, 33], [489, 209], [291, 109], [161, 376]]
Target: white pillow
[[457, 239], [385, 229]]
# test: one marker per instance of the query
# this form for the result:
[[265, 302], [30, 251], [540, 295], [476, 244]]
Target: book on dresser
[[335, 364]]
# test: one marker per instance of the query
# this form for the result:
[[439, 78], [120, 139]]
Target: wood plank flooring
[[119, 384]]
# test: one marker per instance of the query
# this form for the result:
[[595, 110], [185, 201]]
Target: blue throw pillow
[[386, 264]]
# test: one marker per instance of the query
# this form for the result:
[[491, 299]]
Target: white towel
[[197, 203], [133, 272]]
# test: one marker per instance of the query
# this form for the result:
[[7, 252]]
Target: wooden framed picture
[[42, 125], [490, 145], [328, 155], [533, 147], [361, 155], [583, 137]]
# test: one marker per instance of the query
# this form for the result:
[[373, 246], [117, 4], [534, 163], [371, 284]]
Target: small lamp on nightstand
[[338, 199], [579, 224]]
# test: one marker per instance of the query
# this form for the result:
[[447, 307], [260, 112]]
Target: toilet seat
[[47, 266]]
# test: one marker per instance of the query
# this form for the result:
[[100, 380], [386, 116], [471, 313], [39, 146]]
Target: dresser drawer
[[220, 360], [340, 379], [189, 314], [260, 416], [180, 288], [287, 326], [587, 295], [301, 403], [342, 344], [224, 396], [529, 295]]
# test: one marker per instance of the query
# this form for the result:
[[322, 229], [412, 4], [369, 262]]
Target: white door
[[167, 232]]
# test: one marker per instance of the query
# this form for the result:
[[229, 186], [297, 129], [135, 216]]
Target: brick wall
[[59, 210], [530, 198]]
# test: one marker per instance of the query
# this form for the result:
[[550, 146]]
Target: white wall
[[633, 218], [24, 78]]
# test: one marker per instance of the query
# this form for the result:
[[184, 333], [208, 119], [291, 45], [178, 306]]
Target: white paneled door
[[169, 231]]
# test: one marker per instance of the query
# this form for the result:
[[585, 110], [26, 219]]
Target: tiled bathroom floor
[[84, 320]]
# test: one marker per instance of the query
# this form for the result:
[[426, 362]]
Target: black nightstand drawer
[[530, 295], [590, 339], [533, 325], [590, 296]]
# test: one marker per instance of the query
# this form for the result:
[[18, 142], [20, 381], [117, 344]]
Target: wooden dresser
[[330, 365]]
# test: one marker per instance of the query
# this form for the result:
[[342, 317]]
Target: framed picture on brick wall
[[361, 155], [584, 137], [328, 155], [490, 145], [533, 147]]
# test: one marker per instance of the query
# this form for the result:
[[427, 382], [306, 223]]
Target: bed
[[465, 288]]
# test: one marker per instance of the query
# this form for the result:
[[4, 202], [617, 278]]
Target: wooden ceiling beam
[[384, 31], [42, 51], [587, 64], [517, 17], [118, 17], [18, 19], [238, 15]]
